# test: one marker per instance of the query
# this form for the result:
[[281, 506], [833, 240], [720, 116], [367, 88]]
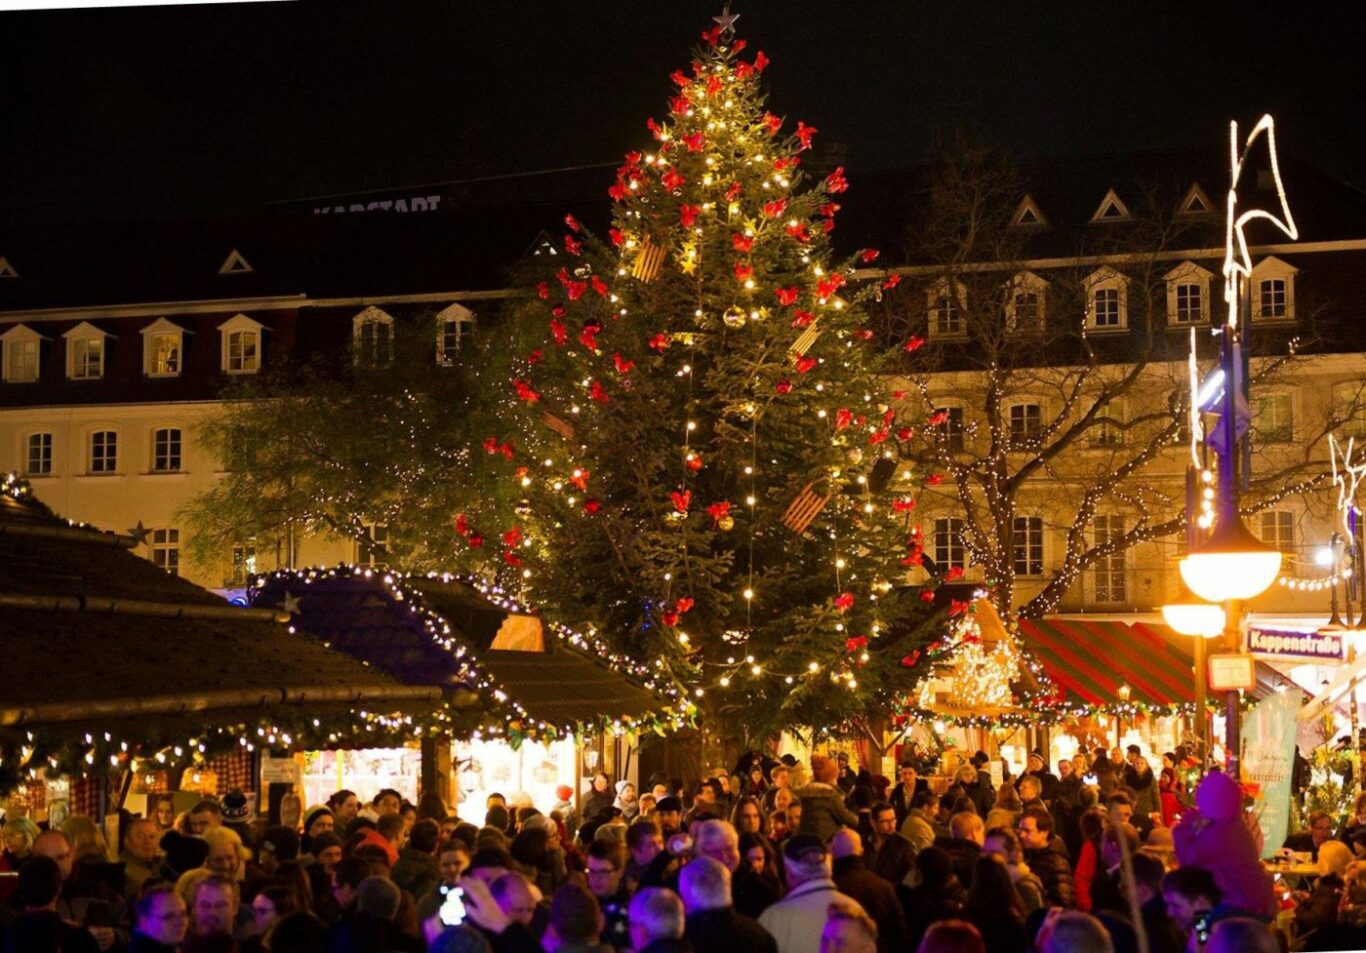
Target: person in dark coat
[[417, 871], [908, 784], [874, 894], [657, 923], [969, 785], [712, 923], [823, 810], [967, 833], [1164, 936], [599, 799], [39, 929], [995, 908], [371, 928], [1046, 856], [892, 856], [938, 896]]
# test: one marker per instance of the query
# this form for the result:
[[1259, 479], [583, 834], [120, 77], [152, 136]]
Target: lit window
[[1026, 423], [85, 352], [1027, 545], [166, 550], [948, 544], [1109, 572], [1273, 290], [1276, 528], [162, 346], [241, 337], [1272, 419], [454, 328], [39, 461], [21, 349], [372, 549], [949, 434], [1188, 295], [104, 451], [166, 450], [1107, 300], [243, 564], [372, 338]]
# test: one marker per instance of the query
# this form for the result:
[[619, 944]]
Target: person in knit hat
[[823, 810], [1214, 836], [317, 820]]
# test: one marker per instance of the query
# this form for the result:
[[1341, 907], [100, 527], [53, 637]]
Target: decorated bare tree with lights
[[714, 471]]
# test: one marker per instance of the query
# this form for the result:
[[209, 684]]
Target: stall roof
[[441, 631], [1089, 659], [95, 634]]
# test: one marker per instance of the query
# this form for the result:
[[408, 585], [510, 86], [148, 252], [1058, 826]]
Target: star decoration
[[290, 603], [139, 534], [726, 21]]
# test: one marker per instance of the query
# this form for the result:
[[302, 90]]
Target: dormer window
[[1188, 301], [241, 339], [454, 327], [372, 338], [1028, 214], [945, 303], [21, 347], [1107, 297], [1273, 291], [85, 352], [1111, 209], [162, 349], [1195, 203], [1025, 298]]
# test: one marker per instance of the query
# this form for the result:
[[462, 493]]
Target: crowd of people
[[775, 856]]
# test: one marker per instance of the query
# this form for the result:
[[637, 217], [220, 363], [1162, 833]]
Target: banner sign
[[1269, 761], [1287, 643]]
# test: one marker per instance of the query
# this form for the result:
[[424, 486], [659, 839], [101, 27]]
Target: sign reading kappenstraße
[[1287, 643]]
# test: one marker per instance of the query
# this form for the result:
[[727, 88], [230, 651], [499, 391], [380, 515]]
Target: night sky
[[185, 112]]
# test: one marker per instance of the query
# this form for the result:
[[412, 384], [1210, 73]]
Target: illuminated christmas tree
[[713, 470]]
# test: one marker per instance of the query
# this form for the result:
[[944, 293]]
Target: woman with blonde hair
[[1319, 910], [85, 837], [227, 855], [18, 837], [1007, 808]]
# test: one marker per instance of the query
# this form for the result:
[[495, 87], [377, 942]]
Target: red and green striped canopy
[[1090, 659]]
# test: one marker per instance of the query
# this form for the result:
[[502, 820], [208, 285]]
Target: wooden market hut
[[108, 657]]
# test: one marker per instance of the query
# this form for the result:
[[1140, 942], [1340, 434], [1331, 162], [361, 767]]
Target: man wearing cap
[[1048, 781], [796, 921], [669, 813]]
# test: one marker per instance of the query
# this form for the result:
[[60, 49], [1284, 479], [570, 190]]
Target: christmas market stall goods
[[119, 671], [523, 693]]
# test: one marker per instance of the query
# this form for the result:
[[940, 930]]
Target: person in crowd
[[346, 881], [1241, 935], [890, 856], [606, 881], [847, 778], [626, 800], [345, 807], [1069, 783], [873, 893], [1107, 889], [643, 844], [753, 784], [598, 799], [779, 779], [1071, 931], [1168, 792], [370, 925], [386, 836], [939, 895], [327, 855], [387, 801], [758, 861], [706, 802], [86, 899], [994, 907], [669, 814], [416, 870], [298, 932], [1006, 811], [1143, 787], [848, 929], [271, 903], [968, 785], [39, 928], [538, 849], [1354, 823], [202, 816], [1088, 857], [1037, 767], [141, 854], [453, 858], [238, 813], [279, 845], [952, 936], [712, 920], [575, 922], [1318, 830], [647, 804], [779, 827], [161, 921], [823, 810], [908, 783], [920, 825], [967, 833], [1046, 855], [1320, 909], [318, 819], [1031, 792], [796, 921], [748, 816], [519, 898], [19, 834], [657, 922], [215, 908], [1164, 935], [1213, 835], [1189, 894], [163, 812], [1003, 842]]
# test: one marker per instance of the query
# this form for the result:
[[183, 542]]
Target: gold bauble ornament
[[726, 524], [855, 455], [734, 318]]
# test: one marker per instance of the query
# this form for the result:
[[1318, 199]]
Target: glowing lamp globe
[[1233, 564], [1191, 616]]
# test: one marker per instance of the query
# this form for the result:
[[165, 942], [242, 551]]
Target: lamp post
[[1233, 565]]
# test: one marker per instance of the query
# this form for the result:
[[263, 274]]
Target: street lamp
[[1187, 615], [1233, 565]]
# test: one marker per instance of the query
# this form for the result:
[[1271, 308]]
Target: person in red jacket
[[1171, 804]]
